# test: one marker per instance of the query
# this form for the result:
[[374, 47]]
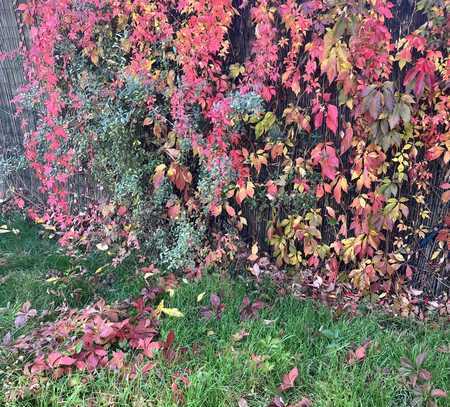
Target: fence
[[433, 278]]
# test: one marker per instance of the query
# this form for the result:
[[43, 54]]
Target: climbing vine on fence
[[315, 131]]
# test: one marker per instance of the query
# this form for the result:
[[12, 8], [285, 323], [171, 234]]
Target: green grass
[[300, 333]]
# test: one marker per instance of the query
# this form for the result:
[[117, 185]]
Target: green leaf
[[265, 124], [405, 112]]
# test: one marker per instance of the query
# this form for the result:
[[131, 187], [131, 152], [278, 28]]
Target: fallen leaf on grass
[[304, 402], [444, 349], [102, 247], [25, 313], [439, 393], [238, 336], [358, 354], [56, 359], [289, 379], [7, 339], [277, 402], [171, 312], [215, 309], [250, 310], [242, 403]]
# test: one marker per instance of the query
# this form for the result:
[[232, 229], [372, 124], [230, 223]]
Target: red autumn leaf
[[38, 365], [331, 212], [117, 361], [289, 379], [271, 190], [56, 359], [340, 186], [173, 209], [52, 358], [149, 347], [20, 203], [332, 118], [409, 272], [169, 354], [346, 142], [122, 211], [147, 367], [325, 155], [241, 194], [107, 331], [215, 210], [318, 119]]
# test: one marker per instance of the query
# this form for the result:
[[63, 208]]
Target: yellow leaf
[[94, 57], [200, 296], [435, 255], [100, 269], [171, 312], [159, 308], [236, 70]]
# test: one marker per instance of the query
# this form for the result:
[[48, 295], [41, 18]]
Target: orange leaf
[[434, 153]]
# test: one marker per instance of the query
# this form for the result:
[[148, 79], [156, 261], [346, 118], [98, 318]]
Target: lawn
[[226, 361]]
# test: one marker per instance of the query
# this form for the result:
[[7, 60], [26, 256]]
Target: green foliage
[[170, 248]]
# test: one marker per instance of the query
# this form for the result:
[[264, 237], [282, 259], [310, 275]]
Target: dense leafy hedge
[[316, 131]]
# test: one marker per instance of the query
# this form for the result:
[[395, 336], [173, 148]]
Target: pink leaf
[[332, 118], [117, 361], [360, 353], [346, 142], [439, 393], [289, 379], [147, 367], [318, 119], [52, 358], [65, 361]]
